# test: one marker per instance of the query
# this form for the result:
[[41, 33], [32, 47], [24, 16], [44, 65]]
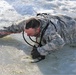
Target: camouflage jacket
[[60, 31]]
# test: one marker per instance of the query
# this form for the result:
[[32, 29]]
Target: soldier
[[52, 32]]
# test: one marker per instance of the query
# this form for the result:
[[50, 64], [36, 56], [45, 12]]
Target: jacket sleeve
[[12, 29], [16, 28], [54, 42]]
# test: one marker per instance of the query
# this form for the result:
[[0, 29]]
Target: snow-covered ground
[[15, 53]]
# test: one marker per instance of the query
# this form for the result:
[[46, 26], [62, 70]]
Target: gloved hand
[[35, 54]]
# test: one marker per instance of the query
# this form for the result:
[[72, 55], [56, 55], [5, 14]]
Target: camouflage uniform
[[17, 28], [56, 36]]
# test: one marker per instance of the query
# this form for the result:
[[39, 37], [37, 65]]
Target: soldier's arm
[[55, 42], [12, 29], [16, 28]]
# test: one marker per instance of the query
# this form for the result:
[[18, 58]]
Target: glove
[[35, 54]]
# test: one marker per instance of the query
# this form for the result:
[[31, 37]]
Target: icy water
[[15, 60], [15, 53]]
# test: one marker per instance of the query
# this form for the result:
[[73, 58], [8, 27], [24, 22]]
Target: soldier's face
[[33, 32]]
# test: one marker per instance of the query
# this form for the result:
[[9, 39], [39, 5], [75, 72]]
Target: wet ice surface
[[15, 60], [15, 53]]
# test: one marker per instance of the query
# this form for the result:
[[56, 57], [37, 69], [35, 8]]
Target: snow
[[15, 53]]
